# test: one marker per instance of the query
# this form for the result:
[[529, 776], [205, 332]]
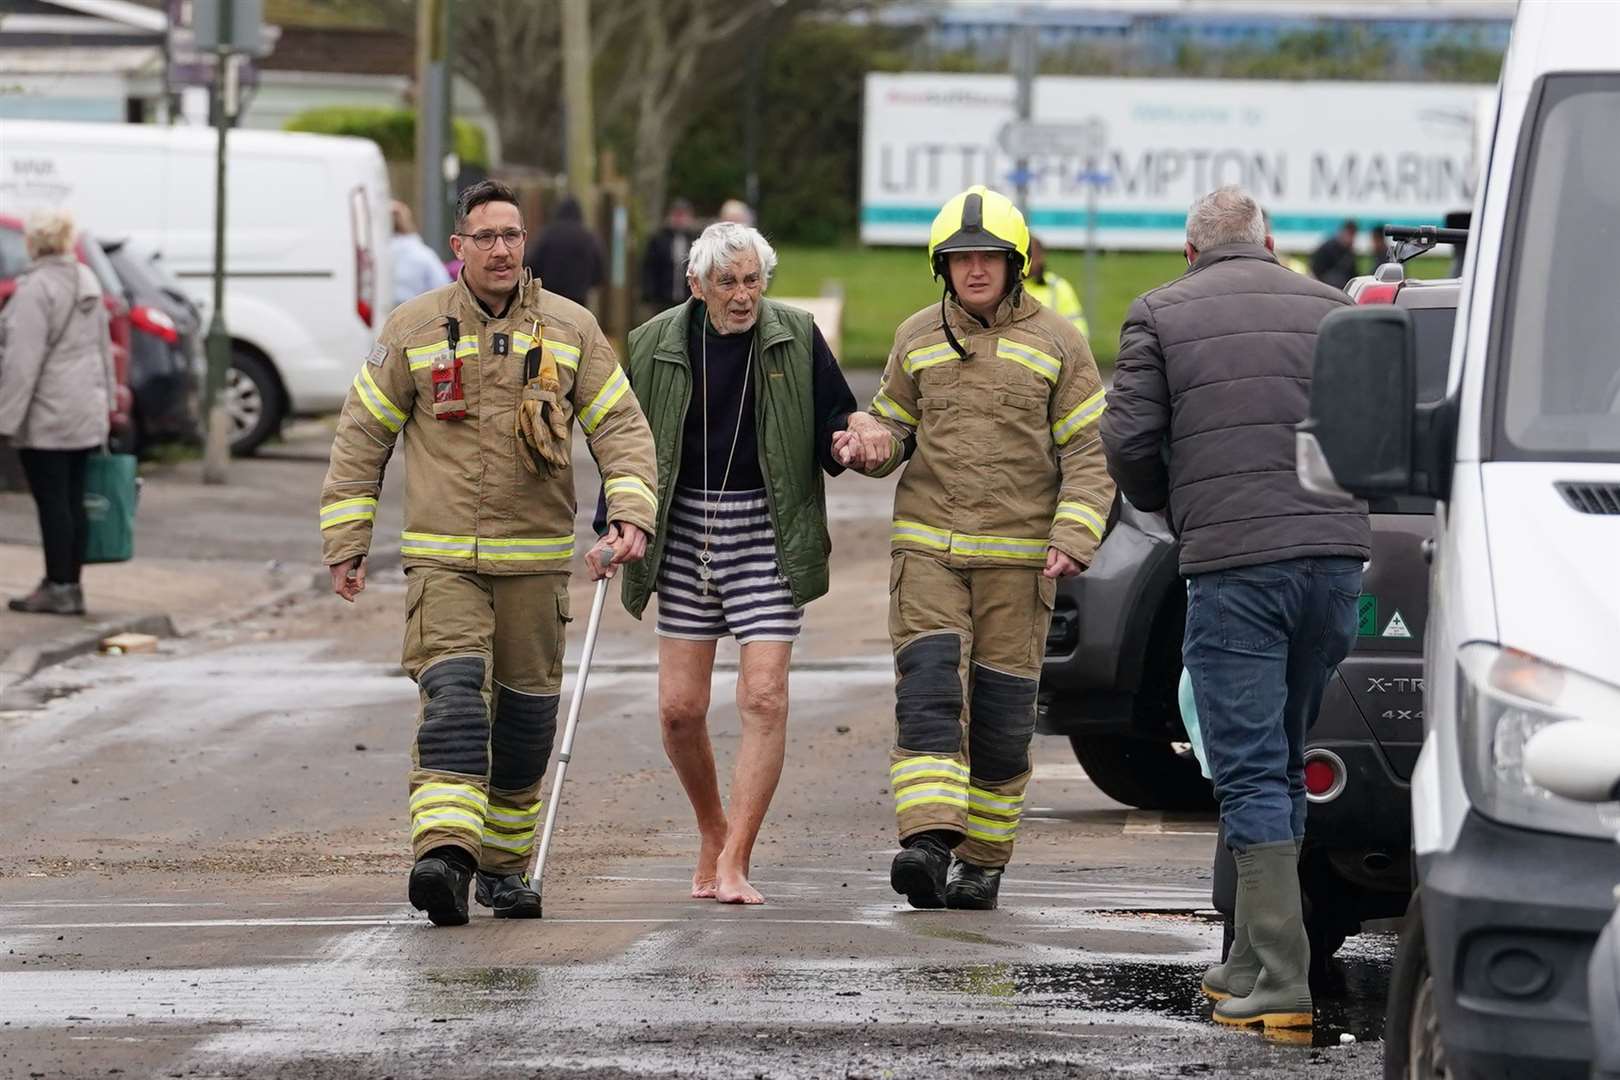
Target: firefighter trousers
[[968, 645], [486, 652]]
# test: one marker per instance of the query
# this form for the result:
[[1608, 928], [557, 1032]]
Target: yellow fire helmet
[[979, 220]]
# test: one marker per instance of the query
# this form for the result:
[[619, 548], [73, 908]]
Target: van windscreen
[[1558, 368]]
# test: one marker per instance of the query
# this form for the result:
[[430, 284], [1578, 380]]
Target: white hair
[[1227, 215], [48, 231], [721, 243]]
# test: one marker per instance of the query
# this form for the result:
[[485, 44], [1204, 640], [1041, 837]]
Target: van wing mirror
[[1358, 437]]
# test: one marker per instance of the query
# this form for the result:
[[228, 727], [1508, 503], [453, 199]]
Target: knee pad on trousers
[[928, 694], [520, 742], [454, 736], [1002, 724]]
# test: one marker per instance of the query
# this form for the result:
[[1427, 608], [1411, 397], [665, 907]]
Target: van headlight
[[1505, 697]]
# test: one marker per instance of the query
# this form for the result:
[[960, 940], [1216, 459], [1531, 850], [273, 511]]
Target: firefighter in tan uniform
[[484, 379], [992, 400]]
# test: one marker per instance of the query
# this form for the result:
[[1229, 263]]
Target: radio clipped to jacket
[[449, 400]]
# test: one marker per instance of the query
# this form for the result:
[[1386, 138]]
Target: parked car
[[307, 230], [166, 350], [14, 260], [1113, 665], [1523, 455]]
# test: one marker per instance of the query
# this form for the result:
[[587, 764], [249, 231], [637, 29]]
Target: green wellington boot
[[1234, 976], [1268, 903]]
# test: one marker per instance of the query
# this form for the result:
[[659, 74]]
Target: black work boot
[[509, 896], [972, 888], [51, 599], [439, 885], [918, 872]]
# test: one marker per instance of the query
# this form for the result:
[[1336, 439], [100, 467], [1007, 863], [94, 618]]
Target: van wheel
[[1144, 773], [1413, 1047], [253, 401]]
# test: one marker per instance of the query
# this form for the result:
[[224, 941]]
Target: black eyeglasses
[[485, 239]]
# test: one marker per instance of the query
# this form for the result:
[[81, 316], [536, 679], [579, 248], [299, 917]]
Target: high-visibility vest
[[1056, 293]]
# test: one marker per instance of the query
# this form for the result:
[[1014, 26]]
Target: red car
[[14, 260]]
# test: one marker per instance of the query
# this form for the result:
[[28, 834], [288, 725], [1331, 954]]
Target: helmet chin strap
[[1014, 269]]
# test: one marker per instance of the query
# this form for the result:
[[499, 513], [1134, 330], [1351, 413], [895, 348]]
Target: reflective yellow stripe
[[467, 345], [506, 815], [450, 547], [345, 510], [927, 357], [518, 547], [376, 402], [930, 796], [458, 820], [891, 408], [927, 766], [1087, 412], [423, 356], [630, 485], [917, 533], [981, 799], [993, 831], [567, 355], [462, 794], [1085, 515], [1043, 364], [605, 399]]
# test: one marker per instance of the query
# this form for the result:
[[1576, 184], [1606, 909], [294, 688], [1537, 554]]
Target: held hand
[[631, 545], [869, 442], [847, 449], [1059, 565], [621, 543], [349, 577]]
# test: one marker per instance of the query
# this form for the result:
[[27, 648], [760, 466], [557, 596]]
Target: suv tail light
[[1378, 292], [1325, 775], [155, 322], [365, 262]]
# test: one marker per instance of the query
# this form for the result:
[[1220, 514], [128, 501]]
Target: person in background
[[417, 267], [1382, 250], [1053, 291], [737, 212], [1274, 570], [57, 388], [567, 258], [663, 267], [1334, 262]]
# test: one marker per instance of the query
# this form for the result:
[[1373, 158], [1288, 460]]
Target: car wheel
[[1413, 1045], [1144, 773], [253, 402]]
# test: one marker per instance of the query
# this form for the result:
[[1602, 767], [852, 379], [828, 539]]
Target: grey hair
[[1227, 215], [48, 232], [721, 243]]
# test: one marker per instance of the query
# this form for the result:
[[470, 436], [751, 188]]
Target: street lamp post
[[217, 452]]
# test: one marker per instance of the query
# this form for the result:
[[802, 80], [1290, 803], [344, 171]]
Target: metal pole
[[574, 705], [217, 450], [1023, 55], [1090, 302], [432, 76], [581, 141]]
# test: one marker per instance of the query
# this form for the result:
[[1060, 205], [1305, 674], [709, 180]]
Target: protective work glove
[[542, 429]]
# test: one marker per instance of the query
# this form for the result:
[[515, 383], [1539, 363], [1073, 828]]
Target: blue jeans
[[1262, 642]]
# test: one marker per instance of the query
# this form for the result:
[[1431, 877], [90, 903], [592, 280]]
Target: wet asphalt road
[[202, 874]]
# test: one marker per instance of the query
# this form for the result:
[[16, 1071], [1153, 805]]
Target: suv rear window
[[1434, 327], [1558, 362]]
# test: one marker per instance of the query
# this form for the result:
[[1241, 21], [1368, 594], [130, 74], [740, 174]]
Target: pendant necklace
[[711, 511]]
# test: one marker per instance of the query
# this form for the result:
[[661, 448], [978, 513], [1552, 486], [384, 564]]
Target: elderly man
[[744, 397], [1214, 371]]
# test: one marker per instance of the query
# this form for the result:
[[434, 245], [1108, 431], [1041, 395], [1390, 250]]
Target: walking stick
[[574, 705]]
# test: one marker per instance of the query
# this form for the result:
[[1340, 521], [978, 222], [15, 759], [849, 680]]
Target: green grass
[[883, 286]]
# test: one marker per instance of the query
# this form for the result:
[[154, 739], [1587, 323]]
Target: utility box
[[234, 25]]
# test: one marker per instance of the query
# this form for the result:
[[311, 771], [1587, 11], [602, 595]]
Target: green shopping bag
[[110, 494]]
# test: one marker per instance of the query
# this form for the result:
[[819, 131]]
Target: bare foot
[[733, 887], [705, 877]]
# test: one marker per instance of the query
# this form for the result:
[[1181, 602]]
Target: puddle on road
[[1352, 999]]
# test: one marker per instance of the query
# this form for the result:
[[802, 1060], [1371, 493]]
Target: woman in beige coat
[[56, 393]]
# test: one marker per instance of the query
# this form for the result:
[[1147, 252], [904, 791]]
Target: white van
[[1524, 620], [307, 228]]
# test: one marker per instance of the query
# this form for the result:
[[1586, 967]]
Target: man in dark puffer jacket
[[1214, 371]]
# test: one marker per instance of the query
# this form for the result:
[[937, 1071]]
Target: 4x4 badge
[[1397, 627]]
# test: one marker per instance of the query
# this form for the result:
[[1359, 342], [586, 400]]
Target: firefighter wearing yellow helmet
[[990, 400]]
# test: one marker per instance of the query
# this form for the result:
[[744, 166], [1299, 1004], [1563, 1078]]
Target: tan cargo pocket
[[412, 653], [1018, 401], [563, 619], [1045, 599], [897, 565]]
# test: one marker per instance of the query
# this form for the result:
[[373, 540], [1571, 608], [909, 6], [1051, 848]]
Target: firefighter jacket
[[1007, 458], [1056, 293], [470, 503]]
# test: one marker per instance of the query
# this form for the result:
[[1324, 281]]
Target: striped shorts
[[747, 597]]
